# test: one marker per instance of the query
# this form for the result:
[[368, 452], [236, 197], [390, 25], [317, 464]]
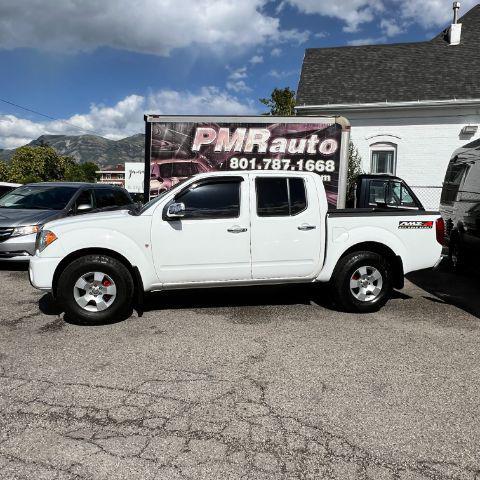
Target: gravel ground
[[263, 383]]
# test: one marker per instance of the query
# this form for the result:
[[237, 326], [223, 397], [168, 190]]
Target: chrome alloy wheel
[[366, 284], [94, 291]]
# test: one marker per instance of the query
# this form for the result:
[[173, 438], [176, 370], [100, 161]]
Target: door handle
[[305, 226], [236, 229]]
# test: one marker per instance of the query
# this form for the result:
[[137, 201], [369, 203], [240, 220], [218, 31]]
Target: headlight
[[18, 231], [44, 239]]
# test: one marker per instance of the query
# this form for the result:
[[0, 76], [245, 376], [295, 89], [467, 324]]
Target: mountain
[[92, 148]]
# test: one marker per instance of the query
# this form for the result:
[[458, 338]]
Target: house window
[[383, 158]]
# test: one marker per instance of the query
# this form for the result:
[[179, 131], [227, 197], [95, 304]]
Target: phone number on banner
[[282, 164]]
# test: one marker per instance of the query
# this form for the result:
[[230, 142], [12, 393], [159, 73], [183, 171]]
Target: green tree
[[354, 170], [89, 171], [4, 171], [281, 102], [28, 164], [43, 164]]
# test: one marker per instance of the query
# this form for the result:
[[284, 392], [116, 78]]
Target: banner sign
[[178, 150], [134, 177]]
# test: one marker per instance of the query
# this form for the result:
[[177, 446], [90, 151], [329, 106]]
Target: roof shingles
[[432, 70]]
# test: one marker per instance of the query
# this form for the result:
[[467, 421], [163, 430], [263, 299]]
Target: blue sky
[[98, 66]]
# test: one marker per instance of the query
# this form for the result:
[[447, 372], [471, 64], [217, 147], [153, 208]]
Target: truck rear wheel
[[96, 289], [362, 282]]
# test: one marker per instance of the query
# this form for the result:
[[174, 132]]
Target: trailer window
[[280, 197]]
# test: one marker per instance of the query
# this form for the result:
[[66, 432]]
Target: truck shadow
[[239, 297], [460, 290], [278, 295], [220, 298]]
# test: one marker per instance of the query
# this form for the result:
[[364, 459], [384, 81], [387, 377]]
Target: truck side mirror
[[176, 210]]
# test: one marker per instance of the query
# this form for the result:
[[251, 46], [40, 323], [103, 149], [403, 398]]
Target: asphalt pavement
[[256, 383]]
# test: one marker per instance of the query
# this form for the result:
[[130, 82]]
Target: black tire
[[120, 308], [456, 258], [345, 298]]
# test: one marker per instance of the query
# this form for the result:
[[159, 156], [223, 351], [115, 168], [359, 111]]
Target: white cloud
[[238, 86], [431, 13], [238, 73], [235, 80], [352, 12], [147, 26], [126, 117], [367, 41], [276, 52], [293, 35], [393, 15], [256, 59], [390, 27], [279, 74]]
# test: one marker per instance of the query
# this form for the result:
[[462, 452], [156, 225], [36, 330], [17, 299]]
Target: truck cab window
[[376, 192], [212, 200], [400, 196], [280, 197]]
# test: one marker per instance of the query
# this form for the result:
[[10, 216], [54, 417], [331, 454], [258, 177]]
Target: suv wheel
[[362, 282], [96, 289]]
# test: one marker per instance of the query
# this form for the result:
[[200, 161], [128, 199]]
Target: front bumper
[[41, 271], [18, 248]]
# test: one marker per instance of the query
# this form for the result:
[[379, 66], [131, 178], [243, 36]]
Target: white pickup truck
[[232, 228]]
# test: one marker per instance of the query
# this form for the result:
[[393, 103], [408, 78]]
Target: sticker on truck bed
[[409, 224]]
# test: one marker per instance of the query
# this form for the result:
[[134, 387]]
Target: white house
[[410, 105]]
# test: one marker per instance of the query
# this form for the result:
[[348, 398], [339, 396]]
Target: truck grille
[[5, 233]]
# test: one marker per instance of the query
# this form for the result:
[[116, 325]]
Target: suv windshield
[[38, 197]]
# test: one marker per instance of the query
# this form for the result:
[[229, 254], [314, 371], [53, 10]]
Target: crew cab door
[[211, 242], [286, 230]]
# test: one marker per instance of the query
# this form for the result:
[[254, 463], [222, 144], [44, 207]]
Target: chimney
[[455, 32]]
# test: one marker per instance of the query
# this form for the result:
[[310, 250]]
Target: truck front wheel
[[96, 289], [362, 282]]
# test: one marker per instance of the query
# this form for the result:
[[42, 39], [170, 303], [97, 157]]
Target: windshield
[[38, 197]]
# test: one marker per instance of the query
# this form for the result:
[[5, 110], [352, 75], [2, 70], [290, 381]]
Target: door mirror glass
[[84, 207], [176, 210]]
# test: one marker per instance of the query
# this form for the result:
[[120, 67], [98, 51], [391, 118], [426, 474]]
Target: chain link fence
[[429, 195]]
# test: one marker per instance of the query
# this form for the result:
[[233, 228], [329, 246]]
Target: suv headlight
[[44, 239], [28, 230]]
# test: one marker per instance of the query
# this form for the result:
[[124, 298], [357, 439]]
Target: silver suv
[[24, 210]]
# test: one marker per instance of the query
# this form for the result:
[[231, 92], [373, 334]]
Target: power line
[[48, 116]]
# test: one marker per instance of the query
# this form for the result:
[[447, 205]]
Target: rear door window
[[280, 197]]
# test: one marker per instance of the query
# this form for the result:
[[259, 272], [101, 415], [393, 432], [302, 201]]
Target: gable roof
[[432, 70]]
